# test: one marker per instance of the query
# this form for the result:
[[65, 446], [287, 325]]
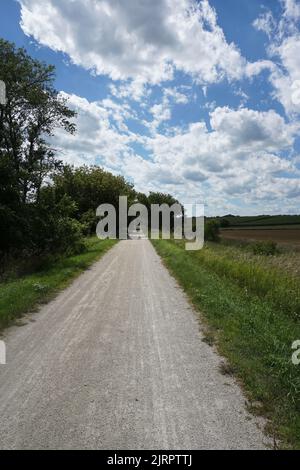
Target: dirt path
[[116, 361]]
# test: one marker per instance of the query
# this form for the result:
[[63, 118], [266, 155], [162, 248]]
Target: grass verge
[[252, 331], [22, 295]]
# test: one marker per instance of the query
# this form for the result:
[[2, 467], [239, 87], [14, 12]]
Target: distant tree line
[[45, 205]]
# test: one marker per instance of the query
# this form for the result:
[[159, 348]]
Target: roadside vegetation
[[285, 260], [250, 308]]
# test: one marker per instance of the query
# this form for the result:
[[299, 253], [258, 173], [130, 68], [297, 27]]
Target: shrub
[[212, 231], [68, 236], [89, 222], [224, 223], [266, 248]]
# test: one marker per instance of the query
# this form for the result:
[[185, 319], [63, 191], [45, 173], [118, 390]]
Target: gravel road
[[116, 361]]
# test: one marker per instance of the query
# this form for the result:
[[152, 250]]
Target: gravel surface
[[116, 361]]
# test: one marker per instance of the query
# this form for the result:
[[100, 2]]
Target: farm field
[[283, 235], [261, 220]]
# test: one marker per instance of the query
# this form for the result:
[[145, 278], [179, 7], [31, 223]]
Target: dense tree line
[[46, 206]]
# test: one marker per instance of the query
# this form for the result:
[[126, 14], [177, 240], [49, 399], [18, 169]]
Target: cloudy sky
[[199, 98]]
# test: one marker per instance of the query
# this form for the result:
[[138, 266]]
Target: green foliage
[[224, 223], [33, 110], [267, 248], [211, 231], [161, 199], [89, 222], [91, 186]]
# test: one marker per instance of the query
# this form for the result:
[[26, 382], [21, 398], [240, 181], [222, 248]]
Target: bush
[[266, 248], [212, 231], [89, 222], [224, 223], [68, 236], [51, 227]]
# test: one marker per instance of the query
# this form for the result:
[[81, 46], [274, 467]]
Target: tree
[[32, 111], [89, 187], [53, 226], [163, 198]]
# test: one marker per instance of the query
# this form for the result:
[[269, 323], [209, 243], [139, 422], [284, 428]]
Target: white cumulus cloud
[[139, 40], [284, 36]]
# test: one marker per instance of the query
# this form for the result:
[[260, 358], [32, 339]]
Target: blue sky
[[197, 98]]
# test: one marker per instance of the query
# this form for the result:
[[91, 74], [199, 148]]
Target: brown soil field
[[286, 236]]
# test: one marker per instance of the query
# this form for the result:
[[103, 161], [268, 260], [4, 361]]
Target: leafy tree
[[163, 198], [32, 111], [54, 228], [89, 187]]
